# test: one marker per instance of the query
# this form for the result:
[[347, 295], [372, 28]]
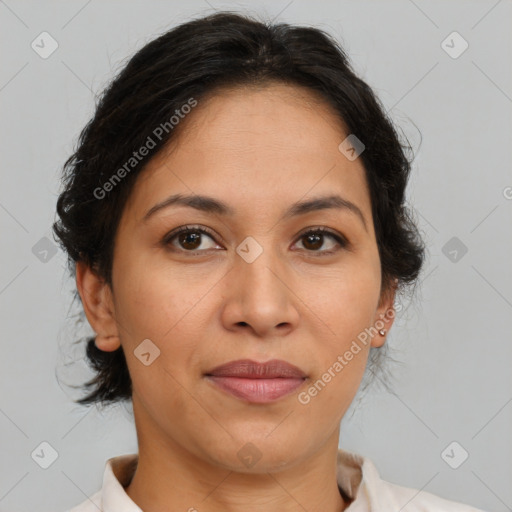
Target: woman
[[234, 218]]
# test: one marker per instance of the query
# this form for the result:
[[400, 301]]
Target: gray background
[[454, 383]]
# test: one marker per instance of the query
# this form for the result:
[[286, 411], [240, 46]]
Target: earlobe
[[385, 315], [107, 343], [382, 325], [98, 307]]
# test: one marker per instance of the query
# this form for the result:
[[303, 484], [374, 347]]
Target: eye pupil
[[314, 240], [190, 240]]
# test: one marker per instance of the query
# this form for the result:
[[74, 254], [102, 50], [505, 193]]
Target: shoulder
[[112, 496], [383, 495], [414, 500]]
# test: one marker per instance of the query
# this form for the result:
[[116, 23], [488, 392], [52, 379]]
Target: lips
[[257, 382]]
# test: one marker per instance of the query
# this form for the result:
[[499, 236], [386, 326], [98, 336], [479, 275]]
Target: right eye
[[188, 239]]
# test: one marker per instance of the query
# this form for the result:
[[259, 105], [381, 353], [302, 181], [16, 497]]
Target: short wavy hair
[[193, 60]]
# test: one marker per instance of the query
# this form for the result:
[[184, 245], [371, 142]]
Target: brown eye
[[189, 239], [314, 240]]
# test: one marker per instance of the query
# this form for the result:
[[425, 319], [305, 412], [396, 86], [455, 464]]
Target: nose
[[260, 297]]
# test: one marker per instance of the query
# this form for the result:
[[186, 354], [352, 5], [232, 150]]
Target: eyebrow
[[211, 205]]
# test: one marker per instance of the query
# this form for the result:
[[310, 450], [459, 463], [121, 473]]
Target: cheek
[[160, 305], [341, 354], [155, 298], [348, 299], [163, 306], [347, 306]]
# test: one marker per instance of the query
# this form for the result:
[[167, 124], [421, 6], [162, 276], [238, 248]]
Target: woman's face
[[255, 287]]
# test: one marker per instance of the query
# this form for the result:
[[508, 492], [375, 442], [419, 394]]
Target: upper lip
[[249, 369]]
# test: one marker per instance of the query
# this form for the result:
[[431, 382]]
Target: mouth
[[257, 382]]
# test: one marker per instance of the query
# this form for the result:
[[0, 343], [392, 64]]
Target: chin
[[257, 453], [256, 463]]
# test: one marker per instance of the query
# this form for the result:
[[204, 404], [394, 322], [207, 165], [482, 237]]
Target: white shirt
[[357, 477]]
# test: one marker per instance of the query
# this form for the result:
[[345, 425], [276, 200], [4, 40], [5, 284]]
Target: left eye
[[314, 239], [190, 239]]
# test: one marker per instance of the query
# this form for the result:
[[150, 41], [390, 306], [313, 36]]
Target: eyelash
[[342, 241]]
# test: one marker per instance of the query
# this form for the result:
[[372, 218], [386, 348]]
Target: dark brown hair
[[194, 60]]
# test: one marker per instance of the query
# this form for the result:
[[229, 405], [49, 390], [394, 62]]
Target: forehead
[[257, 118], [255, 146]]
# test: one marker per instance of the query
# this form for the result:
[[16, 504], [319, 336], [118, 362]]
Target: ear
[[98, 306], [385, 314]]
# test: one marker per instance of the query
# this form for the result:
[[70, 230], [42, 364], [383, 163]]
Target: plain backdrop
[[453, 340]]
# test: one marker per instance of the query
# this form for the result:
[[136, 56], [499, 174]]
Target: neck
[[169, 477], [223, 490]]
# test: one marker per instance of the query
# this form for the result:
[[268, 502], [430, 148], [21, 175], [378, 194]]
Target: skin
[[259, 150]]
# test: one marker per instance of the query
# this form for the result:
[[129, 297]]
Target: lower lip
[[260, 391]]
